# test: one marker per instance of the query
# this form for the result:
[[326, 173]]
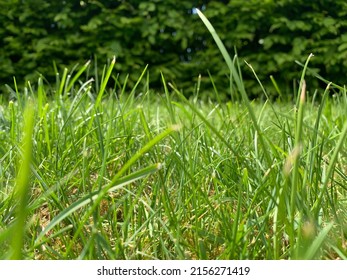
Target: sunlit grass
[[91, 171]]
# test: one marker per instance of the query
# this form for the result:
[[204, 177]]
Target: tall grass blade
[[331, 167], [78, 74], [22, 185], [62, 83], [104, 82], [239, 85]]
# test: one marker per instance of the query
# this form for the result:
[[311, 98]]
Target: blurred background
[[42, 37]]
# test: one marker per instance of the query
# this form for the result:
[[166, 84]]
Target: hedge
[[168, 36]]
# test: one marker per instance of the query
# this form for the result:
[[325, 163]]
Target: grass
[[89, 171]]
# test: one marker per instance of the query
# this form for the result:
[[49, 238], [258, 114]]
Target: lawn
[[89, 171]]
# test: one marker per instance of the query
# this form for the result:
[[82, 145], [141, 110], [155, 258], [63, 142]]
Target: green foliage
[[270, 35], [36, 32]]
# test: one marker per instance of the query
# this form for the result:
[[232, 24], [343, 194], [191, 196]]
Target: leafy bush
[[270, 35]]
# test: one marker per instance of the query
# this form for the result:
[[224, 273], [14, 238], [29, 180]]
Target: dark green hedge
[[169, 36]]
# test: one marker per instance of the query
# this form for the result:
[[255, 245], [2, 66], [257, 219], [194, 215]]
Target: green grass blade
[[239, 84], [62, 83], [331, 167], [78, 74], [23, 185], [222, 49], [278, 90], [317, 243], [104, 82]]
